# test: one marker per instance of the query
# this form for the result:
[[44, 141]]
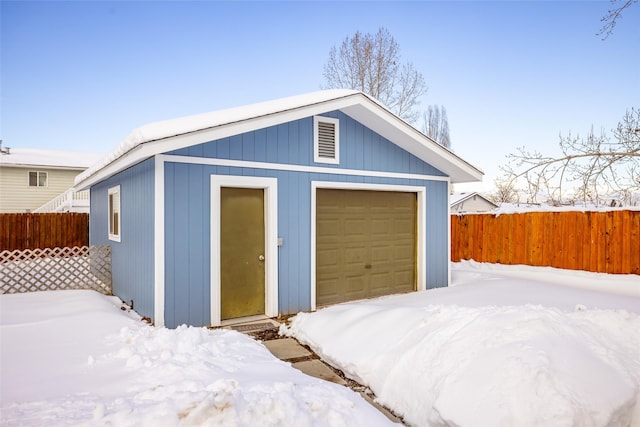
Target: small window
[[114, 213], [37, 179], [326, 140]]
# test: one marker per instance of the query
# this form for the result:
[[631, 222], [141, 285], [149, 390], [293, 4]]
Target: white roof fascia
[[415, 142]]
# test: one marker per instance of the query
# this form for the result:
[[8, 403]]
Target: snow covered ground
[[75, 358], [504, 346]]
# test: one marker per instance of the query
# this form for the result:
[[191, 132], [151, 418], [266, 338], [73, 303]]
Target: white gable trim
[[298, 168]]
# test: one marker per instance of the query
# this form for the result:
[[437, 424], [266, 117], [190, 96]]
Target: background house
[[470, 202], [273, 208], [30, 178]]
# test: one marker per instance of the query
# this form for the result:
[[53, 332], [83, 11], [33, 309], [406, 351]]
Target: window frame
[[39, 174], [316, 145], [114, 217]]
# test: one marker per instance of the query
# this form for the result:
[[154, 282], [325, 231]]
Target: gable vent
[[326, 140]]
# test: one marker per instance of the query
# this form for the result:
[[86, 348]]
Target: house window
[[326, 140], [37, 179], [114, 213]]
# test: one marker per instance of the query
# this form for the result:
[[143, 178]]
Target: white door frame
[[421, 193], [270, 187]]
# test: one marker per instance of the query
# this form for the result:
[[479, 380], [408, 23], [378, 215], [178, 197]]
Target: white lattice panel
[[31, 270]]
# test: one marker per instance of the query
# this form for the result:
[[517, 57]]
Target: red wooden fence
[[43, 230], [604, 242]]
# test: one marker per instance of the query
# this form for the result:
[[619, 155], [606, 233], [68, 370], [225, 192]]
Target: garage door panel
[[355, 288], [328, 258], [380, 227], [379, 254], [404, 227], [355, 257], [328, 228], [355, 228], [404, 253], [380, 282], [373, 239]]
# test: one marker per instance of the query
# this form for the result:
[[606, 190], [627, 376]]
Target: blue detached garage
[[273, 208]]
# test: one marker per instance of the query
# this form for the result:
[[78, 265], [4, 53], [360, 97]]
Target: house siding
[[187, 208], [18, 196], [132, 257]]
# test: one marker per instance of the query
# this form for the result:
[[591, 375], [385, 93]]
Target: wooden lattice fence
[[31, 270]]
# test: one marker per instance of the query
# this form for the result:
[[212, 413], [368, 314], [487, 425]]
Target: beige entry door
[[366, 243], [242, 252]]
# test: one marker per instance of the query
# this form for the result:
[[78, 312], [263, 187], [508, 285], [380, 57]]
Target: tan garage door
[[365, 244]]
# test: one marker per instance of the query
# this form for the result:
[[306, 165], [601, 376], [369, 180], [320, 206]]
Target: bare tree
[[436, 125], [505, 192], [610, 20], [371, 63], [594, 168]]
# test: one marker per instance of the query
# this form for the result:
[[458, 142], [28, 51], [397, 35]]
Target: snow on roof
[[163, 130], [49, 158]]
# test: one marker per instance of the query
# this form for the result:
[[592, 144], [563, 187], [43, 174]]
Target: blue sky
[[82, 75]]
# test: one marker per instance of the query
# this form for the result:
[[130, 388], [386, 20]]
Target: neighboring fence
[[604, 242], [87, 267], [43, 230]]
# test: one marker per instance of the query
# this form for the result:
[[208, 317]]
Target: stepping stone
[[381, 408], [287, 348], [318, 369]]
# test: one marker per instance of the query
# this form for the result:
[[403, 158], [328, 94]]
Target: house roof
[[456, 198], [31, 157], [159, 137]]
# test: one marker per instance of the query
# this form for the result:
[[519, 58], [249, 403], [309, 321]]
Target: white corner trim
[[158, 242], [421, 194], [270, 186]]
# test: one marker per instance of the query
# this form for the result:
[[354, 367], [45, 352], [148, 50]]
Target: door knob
[[261, 257]]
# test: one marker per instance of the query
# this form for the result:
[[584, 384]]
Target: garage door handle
[[367, 266]]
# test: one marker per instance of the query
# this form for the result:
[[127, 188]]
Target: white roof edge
[[158, 137], [458, 169]]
